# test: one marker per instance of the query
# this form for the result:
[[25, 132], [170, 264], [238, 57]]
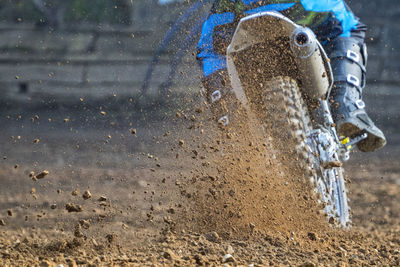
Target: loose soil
[[179, 192]]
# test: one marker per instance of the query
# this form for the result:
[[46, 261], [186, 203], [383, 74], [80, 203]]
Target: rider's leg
[[348, 59]]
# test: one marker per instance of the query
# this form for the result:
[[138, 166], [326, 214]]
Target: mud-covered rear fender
[[267, 27]]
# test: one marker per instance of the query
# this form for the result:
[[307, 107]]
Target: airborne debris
[[102, 198], [42, 174], [85, 224], [71, 207], [86, 195], [312, 236]]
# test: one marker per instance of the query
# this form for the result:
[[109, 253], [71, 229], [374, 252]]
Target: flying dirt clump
[[85, 224], [102, 198], [42, 174], [75, 192], [71, 207], [86, 195]]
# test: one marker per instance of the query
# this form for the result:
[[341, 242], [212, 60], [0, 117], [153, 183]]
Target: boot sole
[[372, 143]]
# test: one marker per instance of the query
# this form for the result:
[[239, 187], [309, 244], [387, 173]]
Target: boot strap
[[348, 61], [347, 47], [347, 71], [358, 104], [352, 53]]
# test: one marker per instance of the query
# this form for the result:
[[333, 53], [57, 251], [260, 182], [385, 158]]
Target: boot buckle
[[215, 96], [360, 104], [353, 80], [353, 56]]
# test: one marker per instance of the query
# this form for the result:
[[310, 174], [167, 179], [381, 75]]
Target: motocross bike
[[282, 77]]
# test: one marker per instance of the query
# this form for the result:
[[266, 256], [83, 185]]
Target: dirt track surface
[[178, 192]]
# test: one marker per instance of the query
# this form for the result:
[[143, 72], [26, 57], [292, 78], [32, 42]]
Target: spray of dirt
[[211, 197], [245, 188]]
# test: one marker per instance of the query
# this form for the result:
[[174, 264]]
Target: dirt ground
[[176, 191]]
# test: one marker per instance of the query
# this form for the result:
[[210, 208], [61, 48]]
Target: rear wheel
[[287, 121]]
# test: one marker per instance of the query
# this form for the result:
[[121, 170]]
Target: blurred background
[[60, 51], [72, 73], [54, 53], [67, 61]]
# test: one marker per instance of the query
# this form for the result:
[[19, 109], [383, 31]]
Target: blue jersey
[[327, 18]]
